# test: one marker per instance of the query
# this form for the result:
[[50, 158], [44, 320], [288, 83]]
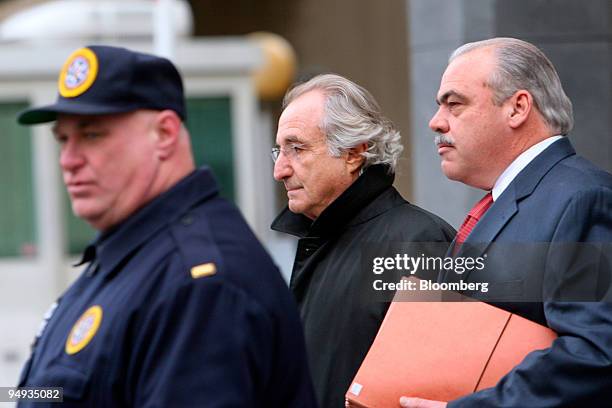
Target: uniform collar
[[374, 180], [111, 248]]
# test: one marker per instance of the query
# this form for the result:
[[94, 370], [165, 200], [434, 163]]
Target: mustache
[[443, 139]]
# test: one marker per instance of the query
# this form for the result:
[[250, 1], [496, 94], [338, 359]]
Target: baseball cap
[[99, 79]]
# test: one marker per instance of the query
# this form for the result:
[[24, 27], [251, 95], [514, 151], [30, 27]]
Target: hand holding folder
[[442, 351]]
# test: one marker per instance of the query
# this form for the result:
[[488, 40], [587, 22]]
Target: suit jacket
[[547, 247]]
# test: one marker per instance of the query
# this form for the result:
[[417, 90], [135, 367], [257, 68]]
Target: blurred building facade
[[397, 49]]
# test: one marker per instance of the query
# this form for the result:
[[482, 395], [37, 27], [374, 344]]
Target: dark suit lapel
[[506, 206], [485, 231], [491, 224]]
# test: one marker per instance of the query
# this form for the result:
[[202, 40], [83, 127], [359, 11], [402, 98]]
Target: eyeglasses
[[290, 151]]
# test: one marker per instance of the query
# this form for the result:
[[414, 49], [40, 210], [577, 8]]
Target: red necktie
[[472, 218]]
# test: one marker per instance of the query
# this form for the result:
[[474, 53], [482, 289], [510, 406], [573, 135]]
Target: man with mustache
[[545, 223], [180, 306], [336, 155]]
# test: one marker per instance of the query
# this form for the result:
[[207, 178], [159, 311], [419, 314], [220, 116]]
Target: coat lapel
[[491, 223], [484, 232], [506, 206]]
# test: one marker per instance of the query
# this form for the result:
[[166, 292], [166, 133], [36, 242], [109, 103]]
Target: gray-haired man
[[501, 126], [336, 156]]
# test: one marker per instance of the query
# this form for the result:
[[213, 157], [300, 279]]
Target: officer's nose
[[71, 156], [282, 168], [438, 123]]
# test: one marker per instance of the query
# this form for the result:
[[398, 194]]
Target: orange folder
[[442, 351]]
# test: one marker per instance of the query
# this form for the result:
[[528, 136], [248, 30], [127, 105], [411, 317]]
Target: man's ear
[[168, 130], [519, 108], [355, 159]]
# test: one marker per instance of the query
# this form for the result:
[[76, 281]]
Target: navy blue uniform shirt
[[179, 307]]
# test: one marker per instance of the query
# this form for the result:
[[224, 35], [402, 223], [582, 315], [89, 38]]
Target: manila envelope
[[442, 351]]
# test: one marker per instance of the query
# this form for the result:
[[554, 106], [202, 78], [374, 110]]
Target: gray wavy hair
[[521, 65], [352, 117]]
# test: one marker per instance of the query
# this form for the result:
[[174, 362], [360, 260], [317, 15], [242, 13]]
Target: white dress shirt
[[519, 164]]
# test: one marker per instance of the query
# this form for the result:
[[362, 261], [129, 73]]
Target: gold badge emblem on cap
[[78, 73], [84, 330]]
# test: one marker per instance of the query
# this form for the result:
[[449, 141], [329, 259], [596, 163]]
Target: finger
[[410, 402]]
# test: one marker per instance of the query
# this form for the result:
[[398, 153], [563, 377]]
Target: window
[[209, 122], [17, 216]]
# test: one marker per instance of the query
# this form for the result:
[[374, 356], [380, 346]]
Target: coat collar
[[342, 211]]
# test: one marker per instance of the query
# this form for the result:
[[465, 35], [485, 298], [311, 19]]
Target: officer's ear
[[355, 159], [167, 127]]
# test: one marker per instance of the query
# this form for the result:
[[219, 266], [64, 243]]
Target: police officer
[[179, 306]]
